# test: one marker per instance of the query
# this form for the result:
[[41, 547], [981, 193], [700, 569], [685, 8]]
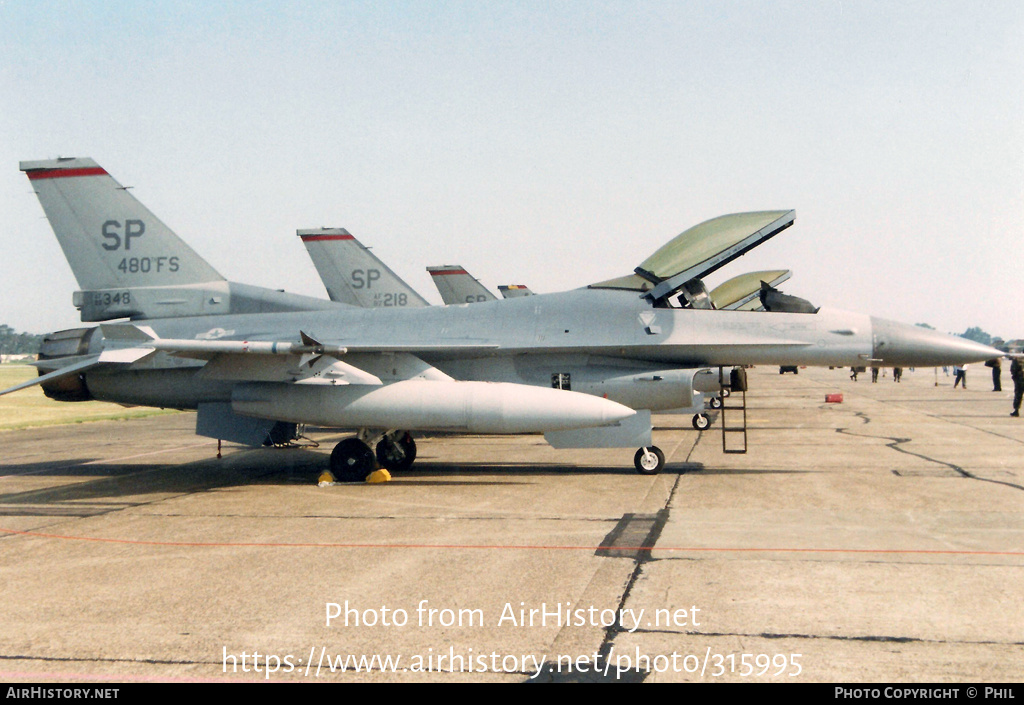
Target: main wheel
[[396, 453], [715, 402], [649, 461], [352, 461], [701, 421]]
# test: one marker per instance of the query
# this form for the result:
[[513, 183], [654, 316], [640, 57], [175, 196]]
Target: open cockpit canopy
[[699, 251], [742, 293]]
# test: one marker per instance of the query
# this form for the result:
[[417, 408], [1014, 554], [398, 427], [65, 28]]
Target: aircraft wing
[[308, 382]]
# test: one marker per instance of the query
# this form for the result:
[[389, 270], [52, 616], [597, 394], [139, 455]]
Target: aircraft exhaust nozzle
[[421, 405], [903, 345]]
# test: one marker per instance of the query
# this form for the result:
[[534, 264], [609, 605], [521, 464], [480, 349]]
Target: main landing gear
[[396, 451], [352, 460]]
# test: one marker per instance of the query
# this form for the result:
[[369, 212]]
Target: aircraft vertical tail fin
[[457, 286], [127, 262], [110, 239], [514, 291], [353, 275]]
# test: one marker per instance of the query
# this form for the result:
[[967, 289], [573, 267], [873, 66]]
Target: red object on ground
[[833, 398]]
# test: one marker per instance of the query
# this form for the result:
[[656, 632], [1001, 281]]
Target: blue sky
[[551, 144]]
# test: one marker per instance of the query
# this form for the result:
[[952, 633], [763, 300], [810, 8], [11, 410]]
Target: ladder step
[[739, 404]]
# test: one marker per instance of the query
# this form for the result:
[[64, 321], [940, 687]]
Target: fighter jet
[[585, 367]]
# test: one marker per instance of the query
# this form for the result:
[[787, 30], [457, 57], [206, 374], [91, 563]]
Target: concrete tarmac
[[877, 539]]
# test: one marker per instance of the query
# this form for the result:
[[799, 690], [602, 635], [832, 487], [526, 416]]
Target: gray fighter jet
[[585, 367]]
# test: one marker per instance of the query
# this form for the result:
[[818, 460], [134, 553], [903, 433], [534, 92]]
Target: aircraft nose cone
[[904, 345]]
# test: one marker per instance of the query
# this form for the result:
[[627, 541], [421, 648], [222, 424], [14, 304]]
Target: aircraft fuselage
[[604, 341]]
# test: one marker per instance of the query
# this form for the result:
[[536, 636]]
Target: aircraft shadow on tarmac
[[110, 486]]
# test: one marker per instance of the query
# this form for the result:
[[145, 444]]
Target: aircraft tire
[[398, 453], [649, 460], [715, 402], [701, 421], [352, 461]]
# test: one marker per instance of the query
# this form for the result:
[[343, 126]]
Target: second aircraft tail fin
[[353, 275]]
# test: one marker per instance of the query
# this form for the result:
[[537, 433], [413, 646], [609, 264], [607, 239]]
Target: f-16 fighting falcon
[[585, 367]]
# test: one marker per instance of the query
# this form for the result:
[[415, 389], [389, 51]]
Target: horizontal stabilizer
[[85, 364]]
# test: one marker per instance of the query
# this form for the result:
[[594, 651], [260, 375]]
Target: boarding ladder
[[733, 389]]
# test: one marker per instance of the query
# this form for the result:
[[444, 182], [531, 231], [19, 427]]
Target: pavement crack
[[884, 638], [75, 659], [895, 443]]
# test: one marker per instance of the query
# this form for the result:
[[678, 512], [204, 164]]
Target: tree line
[[14, 343]]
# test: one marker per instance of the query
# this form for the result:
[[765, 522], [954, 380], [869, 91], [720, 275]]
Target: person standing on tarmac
[[997, 373], [1017, 374]]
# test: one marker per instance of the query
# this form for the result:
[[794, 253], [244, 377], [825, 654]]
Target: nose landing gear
[[649, 460]]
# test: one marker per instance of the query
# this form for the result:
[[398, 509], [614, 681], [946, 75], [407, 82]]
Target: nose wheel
[[649, 460]]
